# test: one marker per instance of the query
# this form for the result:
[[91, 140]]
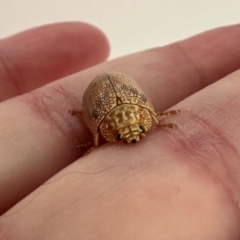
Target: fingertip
[[98, 39]]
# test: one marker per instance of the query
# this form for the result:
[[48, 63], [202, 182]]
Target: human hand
[[178, 183]]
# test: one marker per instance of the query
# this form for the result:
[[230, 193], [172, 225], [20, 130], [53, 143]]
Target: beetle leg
[[170, 112], [170, 125], [84, 145], [75, 113], [95, 142], [142, 135], [155, 119]]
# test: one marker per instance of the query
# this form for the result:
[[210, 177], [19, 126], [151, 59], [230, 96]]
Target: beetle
[[116, 107]]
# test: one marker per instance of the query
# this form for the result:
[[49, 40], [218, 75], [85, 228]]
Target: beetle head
[[126, 123], [131, 133]]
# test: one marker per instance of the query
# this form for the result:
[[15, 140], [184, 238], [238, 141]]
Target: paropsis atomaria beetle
[[116, 107]]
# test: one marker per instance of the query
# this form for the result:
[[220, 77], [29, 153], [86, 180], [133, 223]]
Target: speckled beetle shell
[[116, 106]]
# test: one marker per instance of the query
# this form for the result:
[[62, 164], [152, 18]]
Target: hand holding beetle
[[180, 183]]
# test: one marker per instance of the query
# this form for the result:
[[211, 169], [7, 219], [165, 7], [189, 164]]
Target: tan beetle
[[115, 106]]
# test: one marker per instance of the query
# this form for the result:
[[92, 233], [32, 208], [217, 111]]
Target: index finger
[[40, 55]]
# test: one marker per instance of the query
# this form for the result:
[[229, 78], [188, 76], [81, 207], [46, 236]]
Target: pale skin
[[154, 116], [181, 183]]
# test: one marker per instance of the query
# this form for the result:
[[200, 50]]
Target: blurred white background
[[131, 25]]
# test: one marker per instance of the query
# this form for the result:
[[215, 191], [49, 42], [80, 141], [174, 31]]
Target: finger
[[35, 57], [40, 137]]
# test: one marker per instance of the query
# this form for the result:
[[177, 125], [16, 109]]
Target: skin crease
[[180, 183]]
